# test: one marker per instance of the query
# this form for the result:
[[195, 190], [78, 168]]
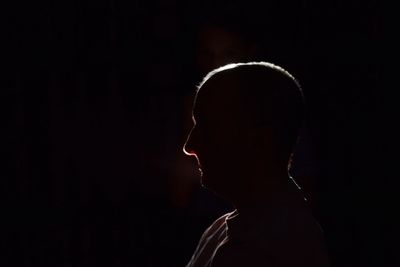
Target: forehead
[[217, 96]]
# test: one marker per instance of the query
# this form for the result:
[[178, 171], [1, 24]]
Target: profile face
[[212, 139]]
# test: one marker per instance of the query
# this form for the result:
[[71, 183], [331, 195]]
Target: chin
[[205, 182], [209, 185]]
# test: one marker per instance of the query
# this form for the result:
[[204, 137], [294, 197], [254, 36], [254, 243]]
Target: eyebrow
[[194, 119]]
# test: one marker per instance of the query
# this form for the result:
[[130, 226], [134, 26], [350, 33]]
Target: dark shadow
[[246, 120]]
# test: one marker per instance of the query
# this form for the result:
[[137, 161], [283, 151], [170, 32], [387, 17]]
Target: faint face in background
[[218, 46]]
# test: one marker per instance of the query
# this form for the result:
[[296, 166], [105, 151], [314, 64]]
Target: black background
[[91, 108]]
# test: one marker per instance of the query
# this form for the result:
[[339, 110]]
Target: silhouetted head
[[246, 121]]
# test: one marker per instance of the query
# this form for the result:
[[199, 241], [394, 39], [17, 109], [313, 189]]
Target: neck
[[266, 191]]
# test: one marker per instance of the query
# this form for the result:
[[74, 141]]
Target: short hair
[[272, 98]]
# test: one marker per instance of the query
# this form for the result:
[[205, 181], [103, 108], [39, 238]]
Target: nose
[[190, 150], [188, 146]]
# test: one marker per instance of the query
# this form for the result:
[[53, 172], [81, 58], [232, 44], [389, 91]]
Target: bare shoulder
[[234, 255], [258, 255]]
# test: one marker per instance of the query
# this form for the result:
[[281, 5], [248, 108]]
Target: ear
[[255, 140], [260, 140]]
